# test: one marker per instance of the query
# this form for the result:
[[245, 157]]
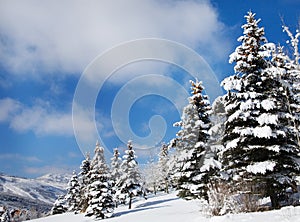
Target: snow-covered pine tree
[[115, 168], [163, 168], [191, 143], [130, 181], [116, 172], [73, 196], [291, 75], [210, 169], [286, 69], [60, 206], [260, 151], [100, 199], [84, 182]]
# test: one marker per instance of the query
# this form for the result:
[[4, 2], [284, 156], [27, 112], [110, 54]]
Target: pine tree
[[130, 182], [60, 206], [100, 199], [290, 71], [260, 151], [73, 196], [116, 162], [289, 76], [191, 142], [84, 181], [164, 168], [116, 173], [211, 166]]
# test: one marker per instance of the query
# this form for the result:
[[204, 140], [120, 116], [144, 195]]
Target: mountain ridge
[[36, 194]]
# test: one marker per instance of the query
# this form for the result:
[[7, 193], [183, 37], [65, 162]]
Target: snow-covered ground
[[168, 207]]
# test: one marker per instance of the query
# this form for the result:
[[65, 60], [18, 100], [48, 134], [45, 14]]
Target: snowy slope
[[22, 193], [163, 208]]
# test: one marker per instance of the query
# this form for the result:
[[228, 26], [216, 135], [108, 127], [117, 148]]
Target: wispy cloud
[[41, 119], [8, 108], [19, 157], [49, 169]]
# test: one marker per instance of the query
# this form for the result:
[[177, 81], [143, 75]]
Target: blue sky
[[45, 47]]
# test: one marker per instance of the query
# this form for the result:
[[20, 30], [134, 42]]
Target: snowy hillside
[[40, 193], [168, 207]]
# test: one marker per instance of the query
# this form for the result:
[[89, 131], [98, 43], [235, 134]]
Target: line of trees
[[99, 189], [245, 147]]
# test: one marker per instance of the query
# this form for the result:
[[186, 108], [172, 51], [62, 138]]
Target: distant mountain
[[32, 194]]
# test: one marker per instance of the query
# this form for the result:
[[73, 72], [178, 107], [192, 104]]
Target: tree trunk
[[130, 200], [167, 187], [274, 201], [272, 194]]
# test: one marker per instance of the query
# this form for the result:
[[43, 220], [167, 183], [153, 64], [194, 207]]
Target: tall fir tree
[[116, 162], [287, 72], [290, 67], [163, 167], [191, 143], [130, 181], [100, 198], [84, 182], [116, 173], [260, 151], [73, 196]]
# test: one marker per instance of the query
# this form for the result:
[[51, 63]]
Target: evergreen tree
[[211, 165], [73, 196], [290, 70], [164, 168], [289, 76], [191, 142], [84, 181], [130, 182], [116, 172], [260, 151], [60, 206], [100, 199], [116, 162]]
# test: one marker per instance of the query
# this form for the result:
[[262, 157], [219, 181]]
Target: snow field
[[170, 208]]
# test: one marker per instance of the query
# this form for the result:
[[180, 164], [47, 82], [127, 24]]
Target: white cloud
[[49, 169], [41, 119], [18, 157], [66, 35], [8, 107]]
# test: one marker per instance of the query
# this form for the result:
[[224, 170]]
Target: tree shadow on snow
[[151, 203], [145, 206], [134, 210]]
